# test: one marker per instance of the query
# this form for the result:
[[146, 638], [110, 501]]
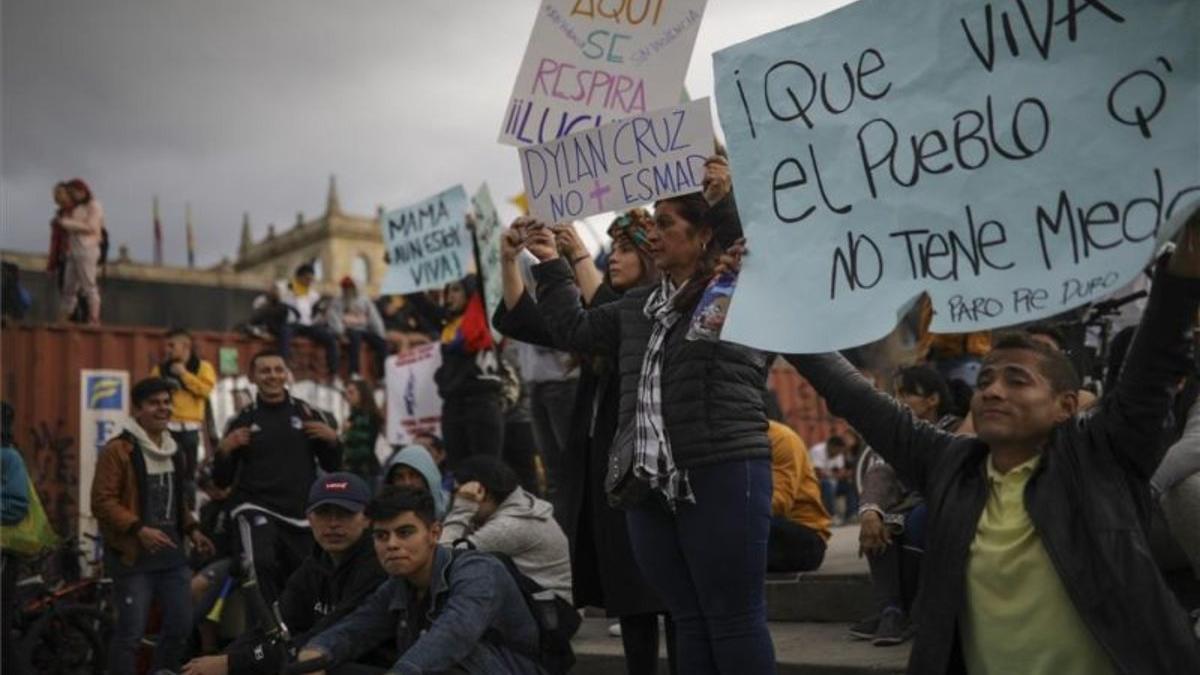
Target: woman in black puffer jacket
[[603, 571], [693, 411]]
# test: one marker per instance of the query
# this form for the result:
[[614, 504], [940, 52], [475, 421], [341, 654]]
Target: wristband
[[580, 259]]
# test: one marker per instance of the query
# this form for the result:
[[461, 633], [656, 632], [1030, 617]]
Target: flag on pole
[[521, 201], [191, 236], [158, 235]]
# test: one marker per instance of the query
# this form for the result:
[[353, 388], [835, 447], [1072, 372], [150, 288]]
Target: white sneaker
[[614, 630]]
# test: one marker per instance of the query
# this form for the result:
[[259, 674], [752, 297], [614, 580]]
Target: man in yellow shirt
[[194, 379], [799, 521], [1037, 561]]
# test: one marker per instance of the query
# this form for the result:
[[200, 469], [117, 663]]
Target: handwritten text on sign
[[635, 161], [1014, 158], [590, 62], [427, 243], [414, 406]]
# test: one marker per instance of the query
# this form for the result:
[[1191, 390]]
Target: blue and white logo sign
[[105, 392]]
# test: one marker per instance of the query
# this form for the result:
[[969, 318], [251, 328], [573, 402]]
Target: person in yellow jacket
[[799, 521], [194, 379]]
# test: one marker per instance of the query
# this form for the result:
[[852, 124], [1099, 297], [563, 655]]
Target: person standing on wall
[[273, 449], [194, 379], [84, 225]]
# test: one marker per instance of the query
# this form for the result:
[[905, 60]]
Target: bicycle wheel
[[67, 640]]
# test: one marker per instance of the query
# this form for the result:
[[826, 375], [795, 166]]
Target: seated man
[[352, 316], [799, 521], [339, 575], [448, 611], [1038, 560], [892, 534], [1176, 487], [302, 298], [494, 513], [412, 466]]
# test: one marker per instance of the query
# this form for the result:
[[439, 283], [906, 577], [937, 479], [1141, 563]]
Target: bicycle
[[66, 627]]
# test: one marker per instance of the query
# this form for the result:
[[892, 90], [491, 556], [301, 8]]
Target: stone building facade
[[338, 245]]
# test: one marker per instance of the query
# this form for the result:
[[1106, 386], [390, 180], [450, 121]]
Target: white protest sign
[[621, 165], [488, 230], [1014, 159], [590, 62], [427, 243], [413, 404]]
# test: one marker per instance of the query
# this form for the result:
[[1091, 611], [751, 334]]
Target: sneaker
[[894, 629], [614, 630], [865, 629]]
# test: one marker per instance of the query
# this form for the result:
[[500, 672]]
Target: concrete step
[[800, 649], [840, 591]]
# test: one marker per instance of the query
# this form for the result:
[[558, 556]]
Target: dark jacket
[[1088, 498], [603, 571], [279, 465], [316, 596], [477, 621], [711, 391]]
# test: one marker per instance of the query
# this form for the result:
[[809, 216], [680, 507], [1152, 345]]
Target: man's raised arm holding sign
[[1037, 559]]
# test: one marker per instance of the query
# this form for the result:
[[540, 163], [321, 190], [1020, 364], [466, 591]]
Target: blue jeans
[[832, 488], [379, 347], [708, 561], [134, 594], [318, 334]]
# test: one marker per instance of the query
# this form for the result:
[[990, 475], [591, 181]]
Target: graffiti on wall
[[52, 459]]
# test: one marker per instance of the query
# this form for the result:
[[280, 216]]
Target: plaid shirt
[[652, 446]]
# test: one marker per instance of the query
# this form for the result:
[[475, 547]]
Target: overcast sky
[[250, 105]]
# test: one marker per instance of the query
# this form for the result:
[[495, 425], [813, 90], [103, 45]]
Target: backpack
[[557, 620]]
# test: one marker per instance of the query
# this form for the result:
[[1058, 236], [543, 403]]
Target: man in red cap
[[353, 317]]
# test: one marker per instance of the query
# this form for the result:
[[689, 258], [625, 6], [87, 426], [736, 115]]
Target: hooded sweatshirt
[[417, 458], [160, 499], [522, 528]]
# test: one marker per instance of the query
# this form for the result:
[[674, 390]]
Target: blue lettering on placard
[[106, 430]]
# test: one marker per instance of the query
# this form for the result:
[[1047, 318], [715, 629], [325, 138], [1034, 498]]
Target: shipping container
[[40, 367], [40, 374]]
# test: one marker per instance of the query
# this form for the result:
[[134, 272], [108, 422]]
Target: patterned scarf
[[653, 460]]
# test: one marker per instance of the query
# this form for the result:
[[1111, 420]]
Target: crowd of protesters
[[1012, 520]]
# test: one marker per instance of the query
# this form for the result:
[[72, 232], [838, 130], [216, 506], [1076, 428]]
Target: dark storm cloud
[[249, 105]]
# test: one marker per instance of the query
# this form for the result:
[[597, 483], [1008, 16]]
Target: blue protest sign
[[1014, 159], [427, 243]]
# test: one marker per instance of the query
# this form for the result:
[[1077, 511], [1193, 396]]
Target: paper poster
[[1013, 159], [488, 230], [591, 62], [414, 405], [621, 165], [104, 401], [427, 243]]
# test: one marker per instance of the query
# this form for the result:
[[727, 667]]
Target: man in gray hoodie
[[493, 513], [412, 466]]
